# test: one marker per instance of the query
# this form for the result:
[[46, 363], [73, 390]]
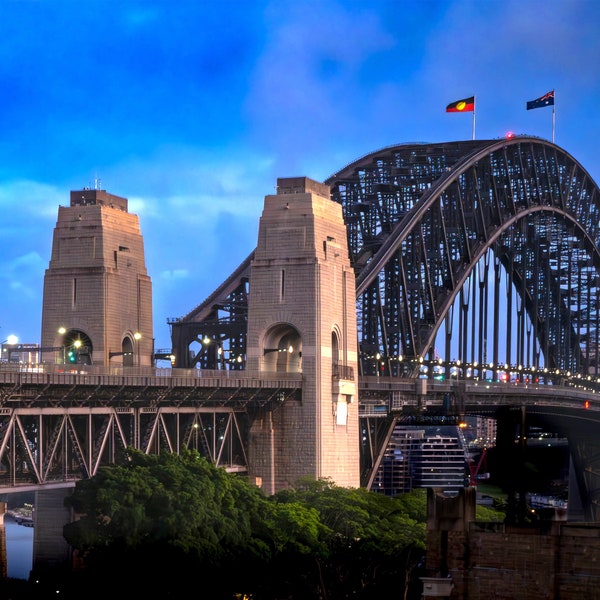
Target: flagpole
[[474, 106], [553, 122]]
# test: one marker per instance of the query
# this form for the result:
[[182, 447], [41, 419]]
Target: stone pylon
[[97, 306], [302, 318]]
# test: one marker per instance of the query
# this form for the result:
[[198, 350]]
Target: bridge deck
[[57, 427]]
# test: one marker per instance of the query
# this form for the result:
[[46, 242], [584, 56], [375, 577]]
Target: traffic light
[[72, 357]]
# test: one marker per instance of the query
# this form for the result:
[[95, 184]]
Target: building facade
[[422, 457]]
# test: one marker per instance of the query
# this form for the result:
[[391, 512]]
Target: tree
[[164, 514], [373, 539], [167, 524], [182, 519]]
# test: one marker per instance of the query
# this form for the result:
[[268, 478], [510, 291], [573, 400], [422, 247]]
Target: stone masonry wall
[[553, 560]]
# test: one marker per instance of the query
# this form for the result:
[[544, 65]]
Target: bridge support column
[[3, 555], [584, 476], [51, 552], [448, 519], [511, 438]]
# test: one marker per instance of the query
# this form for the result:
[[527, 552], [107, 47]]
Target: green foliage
[[181, 500], [185, 520], [356, 515], [374, 542], [485, 513]]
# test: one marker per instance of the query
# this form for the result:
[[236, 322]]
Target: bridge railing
[[140, 376], [380, 396], [6, 367], [398, 392]]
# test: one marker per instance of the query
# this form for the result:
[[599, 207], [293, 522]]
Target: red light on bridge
[[509, 135], [586, 404]]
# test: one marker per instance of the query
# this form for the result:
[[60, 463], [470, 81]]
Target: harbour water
[[19, 549]]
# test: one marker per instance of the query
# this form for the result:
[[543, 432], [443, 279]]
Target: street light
[[137, 336], [289, 349], [196, 427], [11, 340], [62, 331]]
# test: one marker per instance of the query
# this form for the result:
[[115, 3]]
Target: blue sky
[[193, 109]]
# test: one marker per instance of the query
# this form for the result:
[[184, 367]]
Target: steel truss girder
[[46, 446]]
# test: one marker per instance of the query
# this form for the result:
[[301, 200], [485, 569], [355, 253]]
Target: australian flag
[[545, 100]]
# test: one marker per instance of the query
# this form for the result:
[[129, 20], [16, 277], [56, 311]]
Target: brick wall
[[553, 560]]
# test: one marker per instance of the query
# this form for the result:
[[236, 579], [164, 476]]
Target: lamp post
[[455, 371], [137, 336], [62, 331]]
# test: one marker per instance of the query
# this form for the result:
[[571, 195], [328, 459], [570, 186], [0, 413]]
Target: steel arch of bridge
[[451, 236]]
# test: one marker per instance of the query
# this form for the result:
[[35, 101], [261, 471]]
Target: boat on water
[[22, 515]]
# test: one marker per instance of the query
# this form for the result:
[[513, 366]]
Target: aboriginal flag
[[465, 105], [545, 100]]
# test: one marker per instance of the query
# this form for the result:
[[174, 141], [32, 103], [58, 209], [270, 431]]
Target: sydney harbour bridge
[[477, 270]]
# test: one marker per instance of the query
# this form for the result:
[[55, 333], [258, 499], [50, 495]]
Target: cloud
[[311, 62], [173, 276], [23, 197]]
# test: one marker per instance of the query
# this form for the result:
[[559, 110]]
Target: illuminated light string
[[469, 367]]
